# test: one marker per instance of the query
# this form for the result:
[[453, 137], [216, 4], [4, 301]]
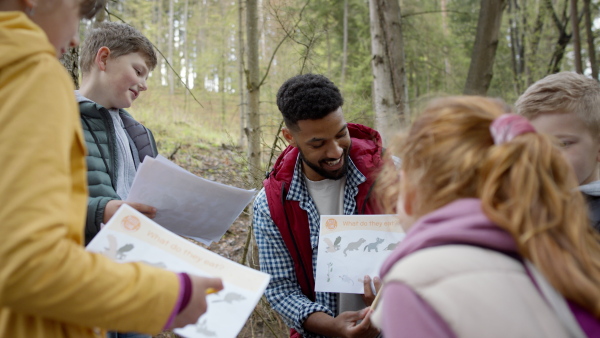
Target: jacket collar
[[459, 222]]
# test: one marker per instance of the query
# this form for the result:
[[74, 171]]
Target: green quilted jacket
[[101, 141]]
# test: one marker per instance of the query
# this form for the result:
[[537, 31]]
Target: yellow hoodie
[[50, 286]]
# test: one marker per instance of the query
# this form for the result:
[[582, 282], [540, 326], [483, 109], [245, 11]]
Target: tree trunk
[[389, 77], [563, 39], [481, 69], [345, 44], [590, 38], [241, 86], [186, 64], [253, 129], [576, 39], [70, 60], [446, 31], [171, 40]]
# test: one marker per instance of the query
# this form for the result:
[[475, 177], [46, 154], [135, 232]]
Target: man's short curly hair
[[120, 38], [307, 97]]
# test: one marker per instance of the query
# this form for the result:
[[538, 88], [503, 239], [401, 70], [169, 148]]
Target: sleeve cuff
[[185, 293]]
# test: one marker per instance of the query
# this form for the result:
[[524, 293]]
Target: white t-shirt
[[328, 196]]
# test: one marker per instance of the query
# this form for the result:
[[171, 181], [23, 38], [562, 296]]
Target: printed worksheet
[[352, 246], [187, 204], [130, 236]]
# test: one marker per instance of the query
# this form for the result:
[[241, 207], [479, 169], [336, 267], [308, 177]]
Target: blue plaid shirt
[[283, 291]]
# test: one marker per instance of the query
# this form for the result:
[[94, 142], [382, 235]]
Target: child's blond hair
[[120, 38], [564, 92]]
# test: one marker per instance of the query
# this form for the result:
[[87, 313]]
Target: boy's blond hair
[[565, 92], [120, 38]]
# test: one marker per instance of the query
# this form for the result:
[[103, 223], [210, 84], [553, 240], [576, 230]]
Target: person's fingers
[[110, 209], [367, 286], [147, 210], [197, 305], [215, 284], [377, 282]]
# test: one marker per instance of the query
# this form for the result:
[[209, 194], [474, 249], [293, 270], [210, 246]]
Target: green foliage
[[299, 36]]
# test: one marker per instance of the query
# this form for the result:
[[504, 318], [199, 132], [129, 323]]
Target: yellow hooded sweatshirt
[[50, 286]]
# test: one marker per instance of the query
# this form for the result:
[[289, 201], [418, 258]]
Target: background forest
[[211, 99], [214, 53]]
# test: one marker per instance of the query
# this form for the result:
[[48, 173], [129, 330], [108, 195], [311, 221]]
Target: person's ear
[[102, 57], [407, 196], [30, 4], [287, 134]]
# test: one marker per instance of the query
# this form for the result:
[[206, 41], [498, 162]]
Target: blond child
[[567, 106], [115, 62]]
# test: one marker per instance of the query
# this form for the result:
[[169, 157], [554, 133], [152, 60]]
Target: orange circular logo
[[131, 223], [331, 224]]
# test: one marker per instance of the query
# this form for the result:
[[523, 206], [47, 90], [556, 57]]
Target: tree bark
[[576, 39], [70, 60], [241, 72], [345, 44], [590, 38], [481, 69], [389, 76], [563, 38], [446, 31], [171, 40], [253, 84]]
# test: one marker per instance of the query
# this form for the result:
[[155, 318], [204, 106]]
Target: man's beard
[[332, 175]]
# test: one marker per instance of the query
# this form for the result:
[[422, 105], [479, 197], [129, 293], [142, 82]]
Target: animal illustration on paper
[[113, 251], [202, 328], [230, 297], [332, 247], [391, 246], [353, 246], [124, 249], [346, 279], [374, 245]]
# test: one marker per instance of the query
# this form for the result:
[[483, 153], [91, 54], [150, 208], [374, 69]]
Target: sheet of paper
[[187, 204], [352, 246], [130, 236]]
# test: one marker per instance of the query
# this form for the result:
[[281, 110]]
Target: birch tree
[[387, 63]]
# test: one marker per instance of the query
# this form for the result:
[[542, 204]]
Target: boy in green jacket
[[115, 62]]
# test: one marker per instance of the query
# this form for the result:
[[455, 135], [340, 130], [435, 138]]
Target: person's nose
[[334, 150], [142, 86]]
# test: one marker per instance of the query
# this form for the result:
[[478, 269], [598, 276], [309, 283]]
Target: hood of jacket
[[460, 222], [21, 38], [592, 189], [366, 145]]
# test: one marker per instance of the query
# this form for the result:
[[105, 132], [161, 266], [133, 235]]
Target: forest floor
[[224, 164]]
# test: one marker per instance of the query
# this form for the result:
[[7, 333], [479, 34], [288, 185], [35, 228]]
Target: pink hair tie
[[508, 126]]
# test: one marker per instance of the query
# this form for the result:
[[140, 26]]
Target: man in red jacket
[[328, 168]]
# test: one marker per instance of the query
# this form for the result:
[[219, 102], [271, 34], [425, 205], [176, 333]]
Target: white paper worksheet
[[352, 246], [130, 236], [187, 204]]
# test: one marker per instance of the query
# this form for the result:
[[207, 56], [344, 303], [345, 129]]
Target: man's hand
[[348, 326], [369, 296], [197, 305], [112, 206]]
